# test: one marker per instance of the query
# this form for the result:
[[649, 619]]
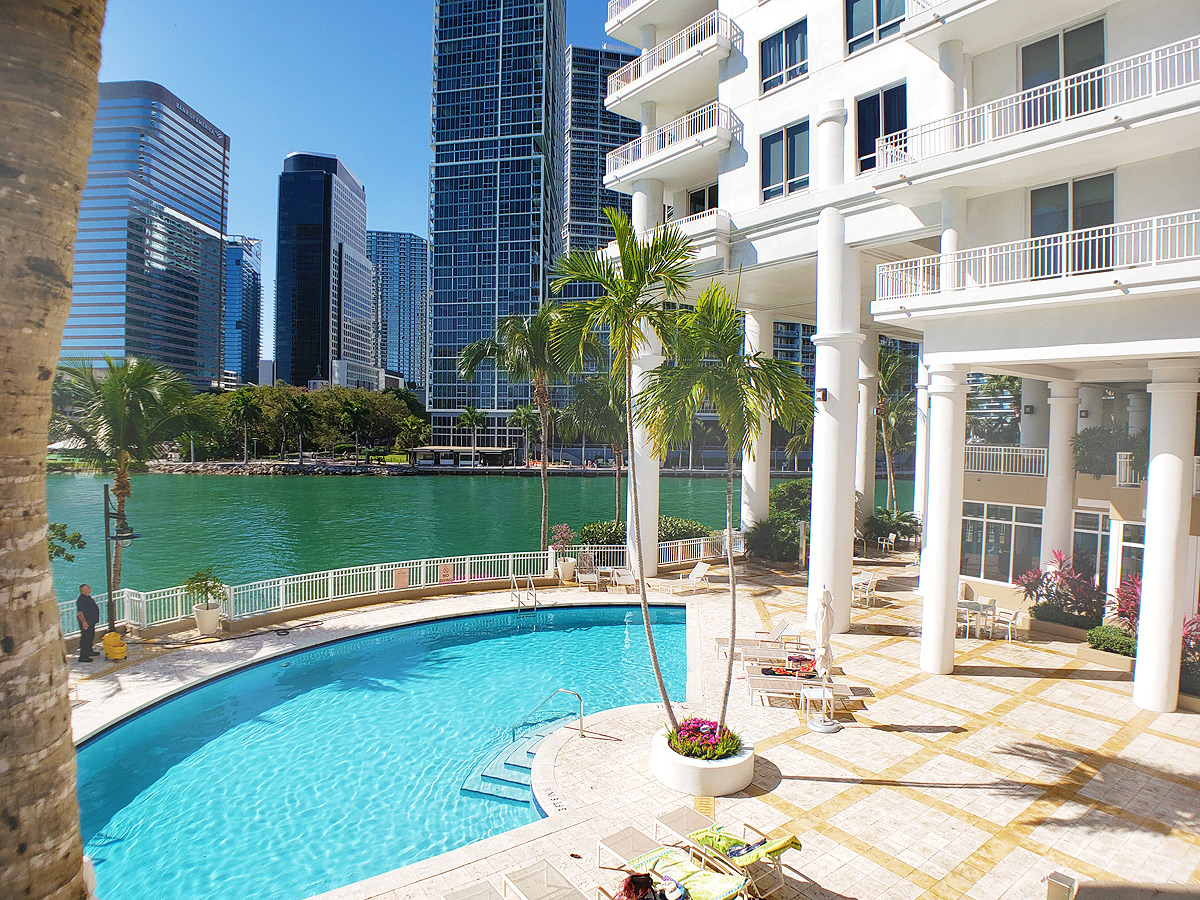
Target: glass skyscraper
[[324, 297], [149, 253], [495, 196], [243, 306], [401, 264]]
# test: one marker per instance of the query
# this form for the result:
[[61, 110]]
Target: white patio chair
[[887, 544], [1006, 619], [693, 580]]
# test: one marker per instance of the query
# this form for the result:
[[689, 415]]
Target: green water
[[255, 527]]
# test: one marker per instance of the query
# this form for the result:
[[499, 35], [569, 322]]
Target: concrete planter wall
[[1104, 658], [1053, 629], [700, 777]]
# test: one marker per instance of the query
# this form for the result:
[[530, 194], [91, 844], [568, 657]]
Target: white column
[[943, 519], [829, 163], [647, 204], [646, 467], [649, 37], [1035, 424], [1091, 401], [1139, 411], [954, 224], [756, 466], [1060, 468], [950, 91], [921, 450], [867, 440], [835, 425], [1166, 591]]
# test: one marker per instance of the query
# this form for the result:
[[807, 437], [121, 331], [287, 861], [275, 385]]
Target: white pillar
[[1166, 591], [1139, 411], [829, 163], [954, 223], [646, 467], [943, 519], [1091, 401], [649, 37], [1060, 468], [867, 439], [647, 204], [756, 467], [950, 92], [1035, 412], [921, 449], [835, 425]]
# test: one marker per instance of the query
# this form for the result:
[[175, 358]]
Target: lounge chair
[[763, 866], [693, 580], [624, 582], [773, 639], [792, 687], [684, 865], [481, 891], [542, 881], [772, 656], [586, 573]]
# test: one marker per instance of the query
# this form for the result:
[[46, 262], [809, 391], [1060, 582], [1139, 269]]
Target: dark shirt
[[86, 605]]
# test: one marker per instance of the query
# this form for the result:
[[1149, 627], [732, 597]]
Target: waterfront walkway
[[979, 784]]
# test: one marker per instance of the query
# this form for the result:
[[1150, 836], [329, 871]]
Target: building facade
[[1011, 186], [243, 307], [401, 263], [325, 319], [495, 192], [149, 254]]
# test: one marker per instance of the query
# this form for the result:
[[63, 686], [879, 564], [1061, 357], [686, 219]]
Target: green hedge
[[793, 497], [776, 538], [1113, 639], [1047, 612], [670, 528]]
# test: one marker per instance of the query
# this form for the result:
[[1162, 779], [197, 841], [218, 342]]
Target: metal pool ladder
[[525, 597], [546, 700]]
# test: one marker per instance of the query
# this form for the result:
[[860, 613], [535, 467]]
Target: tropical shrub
[[562, 536], [702, 739], [777, 537], [794, 497], [606, 532], [1062, 595], [1112, 639], [205, 589], [1129, 603], [1096, 449], [1189, 669], [884, 522], [670, 528]]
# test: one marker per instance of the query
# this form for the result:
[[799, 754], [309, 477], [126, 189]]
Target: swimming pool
[[330, 765]]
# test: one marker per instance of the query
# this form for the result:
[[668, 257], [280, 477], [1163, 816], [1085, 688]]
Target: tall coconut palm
[[635, 290], [597, 408], [897, 411], [48, 101], [710, 368], [301, 416], [122, 415], [472, 419], [526, 419], [355, 416], [245, 412]]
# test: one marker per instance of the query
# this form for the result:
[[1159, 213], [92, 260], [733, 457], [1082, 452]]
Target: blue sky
[[350, 77]]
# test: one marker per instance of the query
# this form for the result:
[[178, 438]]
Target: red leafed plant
[[1129, 603]]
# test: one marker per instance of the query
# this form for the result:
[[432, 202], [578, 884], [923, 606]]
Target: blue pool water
[[334, 764]]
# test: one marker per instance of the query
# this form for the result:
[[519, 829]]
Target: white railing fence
[[1143, 242], [1196, 478], [148, 608], [715, 115], [616, 7], [1127, 474], [995, 460], [1157, 71], [914, 7], [713, 25]]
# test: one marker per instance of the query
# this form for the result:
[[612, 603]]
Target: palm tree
[[526, 419], [522, 348], [48, 90], [710, 368], [635, 290], [123, 415], [473, 419], [245, 410], [301, 415], [896, 412], [598, 408], [355, 416]]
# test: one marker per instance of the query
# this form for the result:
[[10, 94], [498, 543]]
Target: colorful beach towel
[[670, 862], [739, 852]]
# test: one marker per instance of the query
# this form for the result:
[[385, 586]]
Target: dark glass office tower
[[495, 197], [324, 297], [243, 306], [401, 264], [149, 253]]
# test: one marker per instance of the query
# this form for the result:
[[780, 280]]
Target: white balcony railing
[[715, 115], [713, 25], [1145, 75], [914, 7], [1144, 242], [1127, 473], [992, 460], [616, 7]]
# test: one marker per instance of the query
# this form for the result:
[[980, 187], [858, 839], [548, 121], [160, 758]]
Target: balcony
[[709, 232], [627, 17], [1152, 99], [994, 460], [984, 25], [1142, 252], [1128, 475], [681, 71], [681, 153]]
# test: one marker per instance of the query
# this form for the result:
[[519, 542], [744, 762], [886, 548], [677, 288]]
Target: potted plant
[[702, 759], [564, 537], [207, 592]]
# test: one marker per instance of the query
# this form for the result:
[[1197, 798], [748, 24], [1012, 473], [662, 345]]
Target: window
[[784, 55], [702, 200], [1085, 204], [1062, 55], [879, 114], [1000, 542], [785, 161], [1089, 547], [868, 21], [1133, 548]]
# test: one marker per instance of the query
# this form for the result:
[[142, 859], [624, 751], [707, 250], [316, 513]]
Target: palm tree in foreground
[[598, 409], [633, 306], [48, 93], [897, 412], [709, 367]]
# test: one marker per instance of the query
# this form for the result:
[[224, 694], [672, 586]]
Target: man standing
[[88, 614]]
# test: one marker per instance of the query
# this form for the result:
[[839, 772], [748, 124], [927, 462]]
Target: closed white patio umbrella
[[823, 663]]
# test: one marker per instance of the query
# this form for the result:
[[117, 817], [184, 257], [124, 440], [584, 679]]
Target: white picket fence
[[144, 609]]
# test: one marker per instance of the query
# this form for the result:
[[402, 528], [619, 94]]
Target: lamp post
[[124, 536]]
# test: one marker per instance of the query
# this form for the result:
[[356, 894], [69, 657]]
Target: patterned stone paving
[[977, 784]]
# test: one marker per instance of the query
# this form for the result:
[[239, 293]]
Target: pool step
[[507, 774]]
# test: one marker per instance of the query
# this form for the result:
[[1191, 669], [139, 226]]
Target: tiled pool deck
[[978, 784]]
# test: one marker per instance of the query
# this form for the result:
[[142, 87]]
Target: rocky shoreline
[[338, 467]]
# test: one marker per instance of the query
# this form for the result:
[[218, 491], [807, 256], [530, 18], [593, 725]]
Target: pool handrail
[[545, 700]]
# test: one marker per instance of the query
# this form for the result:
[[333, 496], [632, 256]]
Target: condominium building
[[325, 329], [1009, 184], [149, 254], [401, 264], [495, 192], [243, 306]]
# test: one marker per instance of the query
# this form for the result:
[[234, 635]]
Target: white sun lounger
[[481, 891], [766, 876], [693, 580], [790, 686], [542, 881], [775, 639]]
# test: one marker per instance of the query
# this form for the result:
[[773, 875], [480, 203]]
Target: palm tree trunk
[[356, 446], [245, 443], [732, 586], [48, 85], [890, 462], [617, 466], [542, 398], [637, 538], [300, 434]]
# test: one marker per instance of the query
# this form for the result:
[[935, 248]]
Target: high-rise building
[[401, 264], [324, 297], [149, 254], [495, 198], [243, 306]]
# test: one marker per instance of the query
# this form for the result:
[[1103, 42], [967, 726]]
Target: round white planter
[[700, 777], [208, 620], [566, 568]]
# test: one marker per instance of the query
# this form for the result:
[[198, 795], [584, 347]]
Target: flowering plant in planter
[[562, 536], [701, 739]]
